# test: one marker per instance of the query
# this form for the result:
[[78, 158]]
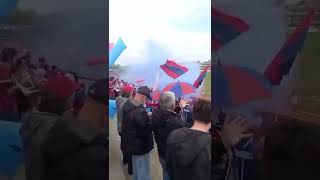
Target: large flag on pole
[[225, 28], [283, 61], [116, 51], [173, 69], [201, 77]]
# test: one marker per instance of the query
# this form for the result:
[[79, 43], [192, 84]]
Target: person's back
[[137, 138], [76, 146], [188, 153], [164, 121], [37, 124], [292, 151], [33, 132], [72, 155], [136, 130]]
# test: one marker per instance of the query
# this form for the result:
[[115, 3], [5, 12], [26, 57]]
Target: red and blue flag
[[225, 28], [283, 61], [173, 69], [201, 77]]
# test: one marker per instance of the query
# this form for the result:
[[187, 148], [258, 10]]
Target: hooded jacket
[[120, 101], [75, 150], [33, 132], [189, 155], [136, 138], [163, 123]]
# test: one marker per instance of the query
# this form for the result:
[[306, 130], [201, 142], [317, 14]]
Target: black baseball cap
[[144, 90], [98, 91]]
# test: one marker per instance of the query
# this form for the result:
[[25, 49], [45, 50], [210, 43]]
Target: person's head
[[53, 68], [167, 101], [143, 94], [95, 106], [41, 60], [127, 91], [292, 151], [202, 112], [57, 94]]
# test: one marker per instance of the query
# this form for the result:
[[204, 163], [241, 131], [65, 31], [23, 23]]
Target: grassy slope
[[208, 84], [309, 99]]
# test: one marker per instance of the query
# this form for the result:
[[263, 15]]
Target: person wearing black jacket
[[188, 153], [164, 121], [76, 147], [137, 138]]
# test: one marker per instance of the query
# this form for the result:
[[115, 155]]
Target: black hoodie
[[136, 138], [74, 150], [163, 123], [189, 155]]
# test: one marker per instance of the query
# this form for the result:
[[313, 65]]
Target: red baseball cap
[[127, 89], [60, 85]]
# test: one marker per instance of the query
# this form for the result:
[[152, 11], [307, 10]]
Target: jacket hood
[[33, 121], [187, 144], [130, 105], [68, 135]]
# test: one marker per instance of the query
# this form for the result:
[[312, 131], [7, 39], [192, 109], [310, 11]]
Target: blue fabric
[[11, 154], [174, 69], [177, 90], [223, 31], [116, 51], [220, 88], [112, 108], [141, 167]]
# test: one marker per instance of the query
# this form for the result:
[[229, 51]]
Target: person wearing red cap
[[76, 147], [126, 92], [55, 101]]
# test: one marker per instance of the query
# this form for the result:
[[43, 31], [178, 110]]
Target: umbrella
[[180, 89], [233, 85]]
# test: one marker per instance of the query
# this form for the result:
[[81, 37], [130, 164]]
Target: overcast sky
[[182, 28]]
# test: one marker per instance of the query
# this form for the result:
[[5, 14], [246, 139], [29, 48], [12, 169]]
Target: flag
[[116, 51], [111, 45], [173, 69], [225, 28], [283, 61], [201, 77]]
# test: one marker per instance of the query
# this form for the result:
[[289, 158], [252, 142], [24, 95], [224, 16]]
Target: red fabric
[[61, 86], [248, 93], [127, 89]]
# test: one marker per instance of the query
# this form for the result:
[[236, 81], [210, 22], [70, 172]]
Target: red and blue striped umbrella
[[233, 85], [180, 89]]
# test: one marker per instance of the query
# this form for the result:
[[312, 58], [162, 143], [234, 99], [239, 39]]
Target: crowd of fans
[[64, 124], [215, 145]]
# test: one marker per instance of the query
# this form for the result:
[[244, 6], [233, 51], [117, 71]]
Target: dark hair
[[202, 111], [52, 104], [292, 151]]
